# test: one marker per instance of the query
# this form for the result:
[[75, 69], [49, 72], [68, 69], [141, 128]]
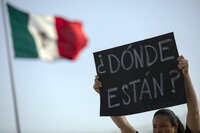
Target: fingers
[[97, 84], [182, 64], [180, 57], [96, 89]]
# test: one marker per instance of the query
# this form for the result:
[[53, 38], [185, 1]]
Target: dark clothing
[[187, 130]]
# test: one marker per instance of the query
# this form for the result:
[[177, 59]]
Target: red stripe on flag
[[71, 38]]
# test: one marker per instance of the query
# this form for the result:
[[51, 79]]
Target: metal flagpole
[[4, 9]]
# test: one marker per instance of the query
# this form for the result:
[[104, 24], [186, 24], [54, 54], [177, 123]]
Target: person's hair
[[172, 118]]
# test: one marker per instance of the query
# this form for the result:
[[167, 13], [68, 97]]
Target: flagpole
[[4, 9]]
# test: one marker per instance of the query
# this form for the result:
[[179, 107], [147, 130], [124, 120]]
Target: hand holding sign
[[97, 84], [140, 76], [183, 64]]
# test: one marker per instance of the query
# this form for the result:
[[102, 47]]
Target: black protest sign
[[140, 76]]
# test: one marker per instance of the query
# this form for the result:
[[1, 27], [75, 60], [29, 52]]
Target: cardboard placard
[[140, 76]]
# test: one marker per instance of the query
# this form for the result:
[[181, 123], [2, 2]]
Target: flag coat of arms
[[45, 37]]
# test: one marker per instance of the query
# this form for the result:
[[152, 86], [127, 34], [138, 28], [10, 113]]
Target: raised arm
[[193, 118], [121, 121]]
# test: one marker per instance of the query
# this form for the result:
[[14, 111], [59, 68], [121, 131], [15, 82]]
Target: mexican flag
[[45, 37]]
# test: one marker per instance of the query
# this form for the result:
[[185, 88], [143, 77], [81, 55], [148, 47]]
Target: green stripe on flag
[[24, 43]]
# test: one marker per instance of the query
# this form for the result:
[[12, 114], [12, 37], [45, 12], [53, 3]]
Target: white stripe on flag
[[44, 33]]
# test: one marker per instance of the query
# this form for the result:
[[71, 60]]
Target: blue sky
[[58, 97]]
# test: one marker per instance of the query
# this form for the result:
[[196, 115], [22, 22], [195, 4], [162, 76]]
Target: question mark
[[173, 79], [101, 65]]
